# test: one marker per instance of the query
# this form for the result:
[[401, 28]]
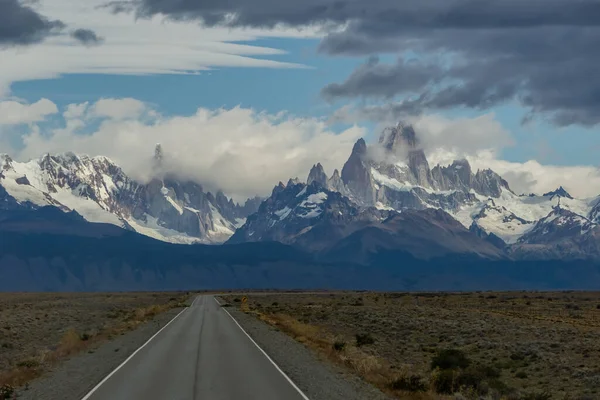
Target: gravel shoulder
[[318, 379], [75, 377]]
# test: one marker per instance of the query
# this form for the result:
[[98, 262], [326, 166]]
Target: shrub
[[470, 378], [450, 359], [521, 375], [339, 345], [85, 337], [363, 339], [537, 396], [490, 372], [445, 381], [237, 300], [6, 392], [413, 383], [29, 363]]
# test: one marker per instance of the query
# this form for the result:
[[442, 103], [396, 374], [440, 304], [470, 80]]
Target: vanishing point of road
[[202, 354]]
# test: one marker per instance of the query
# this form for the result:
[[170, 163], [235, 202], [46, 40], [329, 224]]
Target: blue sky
[[143, 60]]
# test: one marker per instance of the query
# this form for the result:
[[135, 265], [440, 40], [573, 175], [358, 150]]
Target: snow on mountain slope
[[166, 209]]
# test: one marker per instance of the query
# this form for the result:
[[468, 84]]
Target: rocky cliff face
[[165, 208]]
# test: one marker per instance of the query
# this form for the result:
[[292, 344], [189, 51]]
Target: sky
[[246, 93]]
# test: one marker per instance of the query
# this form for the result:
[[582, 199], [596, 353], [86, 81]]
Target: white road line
[[265, 354], [87, 396]]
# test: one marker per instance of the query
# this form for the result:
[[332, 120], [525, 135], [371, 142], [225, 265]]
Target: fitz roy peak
[[394, 176], [164, 208]]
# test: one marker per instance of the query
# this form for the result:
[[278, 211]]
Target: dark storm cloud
[[472, 53], [87, 37], [374, 79], [21, 24]]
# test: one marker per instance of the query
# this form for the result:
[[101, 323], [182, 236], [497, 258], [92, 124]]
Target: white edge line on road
[[87, 396], [265, 354]]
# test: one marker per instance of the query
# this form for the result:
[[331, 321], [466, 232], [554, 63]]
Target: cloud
[[16, 113], [539, 52], [138, 47], [22, 25], [374, 79], [117, 109], [87, 37], [239, 150], [462, 136], [582, 181]]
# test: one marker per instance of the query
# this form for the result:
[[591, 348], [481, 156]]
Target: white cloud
[[15, 113], [462, 136], [532, 177], [154, 46], [245, 152], [117, 109], [239, 150]]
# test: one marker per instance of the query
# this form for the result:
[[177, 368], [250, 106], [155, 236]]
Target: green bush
[[413, 383], [339, 345], [450, 359], [363, 339]]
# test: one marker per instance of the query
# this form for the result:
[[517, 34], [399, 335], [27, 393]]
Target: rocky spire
[[335, 182], [158, 155], [356, 174], [399, 137], [317, 174]]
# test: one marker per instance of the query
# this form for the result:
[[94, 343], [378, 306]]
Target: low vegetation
[[40, 330], [513, 346]]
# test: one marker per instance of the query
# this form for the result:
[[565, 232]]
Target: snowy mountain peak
[[98, 189], [560, 192], [559, 224]]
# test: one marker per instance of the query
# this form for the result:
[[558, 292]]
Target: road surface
[[202, 354]]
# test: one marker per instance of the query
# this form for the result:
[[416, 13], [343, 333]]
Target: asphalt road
[[202, 354]]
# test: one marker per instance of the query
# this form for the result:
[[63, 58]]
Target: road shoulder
[[74, 378], [319, 380]]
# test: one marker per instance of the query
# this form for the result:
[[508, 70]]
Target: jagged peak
[[317, 174], [293, 181], [401, 136], [336, 174], [360, 147], [560, 192]]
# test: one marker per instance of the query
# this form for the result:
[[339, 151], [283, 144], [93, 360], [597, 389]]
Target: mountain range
[[386, 220]]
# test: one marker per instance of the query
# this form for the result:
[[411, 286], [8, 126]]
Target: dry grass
[[527, 343], [37, 331]]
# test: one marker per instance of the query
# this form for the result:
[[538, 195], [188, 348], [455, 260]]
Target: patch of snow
[[174, 204], [164, 191], [380, 206], [152, 229], [312, 213], [283, 213], [239, 222], [302, 192]]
